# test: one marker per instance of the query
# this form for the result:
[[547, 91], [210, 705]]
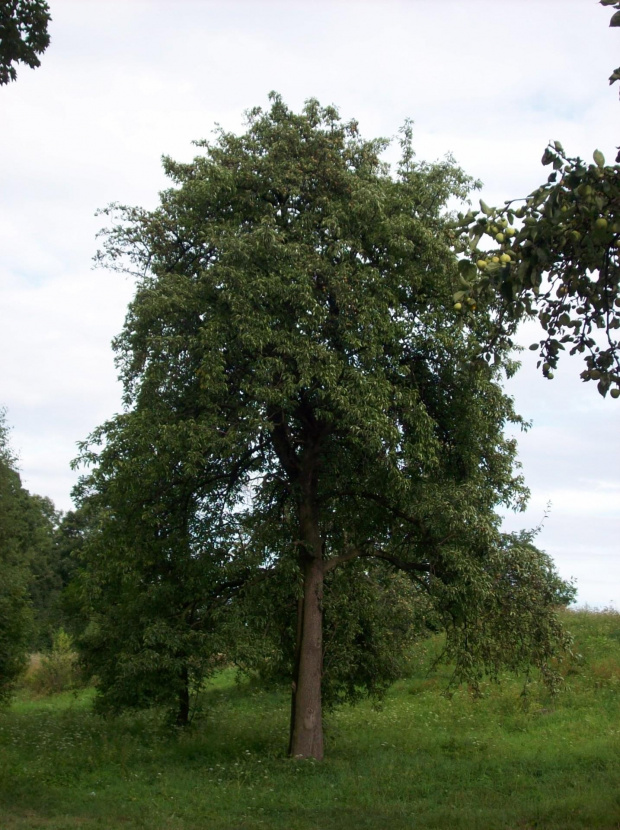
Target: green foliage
[[155, 569], [23, 35], [56, 671], [508, 626], [27, 524], [46, 581], [15, 614], [555, 256], [368, 632], [561, 262], [64, 600], [289, 365]]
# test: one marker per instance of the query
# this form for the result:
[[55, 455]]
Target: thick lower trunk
[[307, 724], [298, 636], [183, 710]]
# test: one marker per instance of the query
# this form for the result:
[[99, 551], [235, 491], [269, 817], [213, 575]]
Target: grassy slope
[[423, 761]]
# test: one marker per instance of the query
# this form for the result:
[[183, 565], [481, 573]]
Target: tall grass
[[423, 760]]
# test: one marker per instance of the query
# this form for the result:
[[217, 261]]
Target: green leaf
[[598, 157], [558, 146], [467, 268], [603, 386], [485, 208], [615, 20]]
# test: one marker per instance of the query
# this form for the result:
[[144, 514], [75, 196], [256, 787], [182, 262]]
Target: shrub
[[57, 671]]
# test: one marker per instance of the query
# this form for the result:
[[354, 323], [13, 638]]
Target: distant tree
[[29, 582], [40, 520], [15, 613], [294, 319], [23, 35], [555, 256], [70, 536]]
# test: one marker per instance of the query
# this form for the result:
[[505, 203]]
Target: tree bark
[[295, 681], [307, 727]]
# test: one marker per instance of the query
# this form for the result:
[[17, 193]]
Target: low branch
[[401, 564], [380, 500], [330, 564], [376, 553]]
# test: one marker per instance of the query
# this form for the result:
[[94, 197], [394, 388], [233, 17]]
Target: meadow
[[505, 761]]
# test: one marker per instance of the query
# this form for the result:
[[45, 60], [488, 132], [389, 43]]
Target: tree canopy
[[293, 342], [23, 35]]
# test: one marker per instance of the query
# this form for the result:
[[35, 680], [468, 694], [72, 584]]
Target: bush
[[55, 672]]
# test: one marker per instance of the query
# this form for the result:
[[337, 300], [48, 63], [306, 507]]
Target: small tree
[[291, 316], [156, 569], [23, 35]]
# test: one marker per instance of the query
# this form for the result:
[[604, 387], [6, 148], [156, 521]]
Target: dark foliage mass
[[30, 583], [23, 35]]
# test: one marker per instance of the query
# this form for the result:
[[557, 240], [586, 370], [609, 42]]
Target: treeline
[[37, 564]]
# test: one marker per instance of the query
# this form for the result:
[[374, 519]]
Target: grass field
[[423, 761]]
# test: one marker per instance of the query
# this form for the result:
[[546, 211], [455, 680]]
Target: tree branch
[[282, 445]]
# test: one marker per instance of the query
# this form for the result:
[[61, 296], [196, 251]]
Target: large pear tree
[[294, 320]]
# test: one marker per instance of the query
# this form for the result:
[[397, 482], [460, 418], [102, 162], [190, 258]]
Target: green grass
[[422, 761]]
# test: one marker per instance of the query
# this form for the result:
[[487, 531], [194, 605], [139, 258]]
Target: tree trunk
[[183, 710], [307, 727], [298, 633]]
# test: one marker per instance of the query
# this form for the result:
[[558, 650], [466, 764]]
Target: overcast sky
[[126, 81]]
